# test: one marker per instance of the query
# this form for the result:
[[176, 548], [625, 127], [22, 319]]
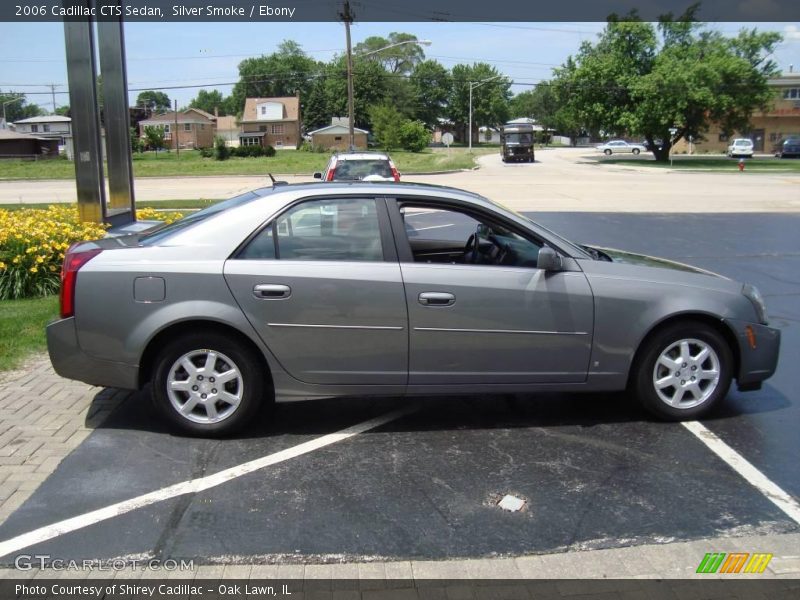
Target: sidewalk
[[43, 418]]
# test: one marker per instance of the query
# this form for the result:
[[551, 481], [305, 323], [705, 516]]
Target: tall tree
[[209, 100], [282, 73], [317, 112], [369, 88], [431, 84], [644, 80], [157, 101], [400, 59], [489, 100], [18, 107]]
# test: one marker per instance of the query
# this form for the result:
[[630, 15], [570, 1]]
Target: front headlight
[[751, 293]]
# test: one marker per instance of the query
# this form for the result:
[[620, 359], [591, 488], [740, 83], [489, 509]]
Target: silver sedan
[[324, 290], [620, 147]]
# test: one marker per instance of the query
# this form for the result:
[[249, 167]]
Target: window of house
[[187, 126], [338, 138], [251, 141], [277, 129], [264, 109], [262, 128], [34, 129], [202, 126], [46, 127], [166, 128], [330, 229]]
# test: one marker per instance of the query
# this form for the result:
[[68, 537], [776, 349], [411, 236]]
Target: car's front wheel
[[635, 151], [683, 371], [607, 152], [207, 384]]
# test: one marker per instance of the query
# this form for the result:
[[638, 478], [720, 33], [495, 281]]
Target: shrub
[[33, 243], [221, 150], [414, 137], [207, 152], [386, 124], [269, 151]]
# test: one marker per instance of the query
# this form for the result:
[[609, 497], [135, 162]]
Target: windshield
[[166, 231], [518, 138], [353, 170]]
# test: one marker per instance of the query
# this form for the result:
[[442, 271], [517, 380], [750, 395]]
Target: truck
[[516, 142]]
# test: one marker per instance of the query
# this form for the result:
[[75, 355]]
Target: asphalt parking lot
[[594, 470]]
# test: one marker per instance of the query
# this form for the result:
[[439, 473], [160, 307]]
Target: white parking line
[[192, 486], [744, 468]]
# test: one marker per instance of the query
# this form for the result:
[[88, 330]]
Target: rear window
[[164, 232], [353, 170]]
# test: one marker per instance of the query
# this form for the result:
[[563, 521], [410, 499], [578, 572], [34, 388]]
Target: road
[[562, 179]]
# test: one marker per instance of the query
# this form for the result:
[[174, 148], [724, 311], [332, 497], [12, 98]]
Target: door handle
[[269, 291], [436, 299]]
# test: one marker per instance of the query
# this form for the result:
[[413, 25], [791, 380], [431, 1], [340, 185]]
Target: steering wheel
[[472, 247]]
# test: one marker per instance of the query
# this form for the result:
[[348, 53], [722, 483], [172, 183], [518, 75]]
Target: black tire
[[607, 152], [644, 371], [635, 151], [251, 386]]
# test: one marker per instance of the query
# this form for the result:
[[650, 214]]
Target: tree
[[64, 111], [154, 136], [386, 124], [157, 101], [642, 80], [431, 84], [210, 100], [282, 73], [489, 101], [398, 60], [20, 108], [317, 113], [369, 88], [414, 136]]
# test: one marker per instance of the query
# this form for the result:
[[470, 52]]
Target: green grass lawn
[[189, 162], [22, 325], [710, 163]]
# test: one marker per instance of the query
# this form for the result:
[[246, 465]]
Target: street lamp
[[7, 102], [472, 86], [350, 94]]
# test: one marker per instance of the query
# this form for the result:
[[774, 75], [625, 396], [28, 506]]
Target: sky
[[207, 54]]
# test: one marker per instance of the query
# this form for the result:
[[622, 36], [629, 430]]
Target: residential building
[[51, 127], [228, 128], [767, 129], [14, 144], [271, 122], [336, 136], [193, 128]]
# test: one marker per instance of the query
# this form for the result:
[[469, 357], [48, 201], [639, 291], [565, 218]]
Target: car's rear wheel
[[607, 152], [683, 371], [208, 384], [635, 151]]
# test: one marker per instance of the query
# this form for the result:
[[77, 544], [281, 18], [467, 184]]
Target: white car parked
[[620, 146], [741, 147]]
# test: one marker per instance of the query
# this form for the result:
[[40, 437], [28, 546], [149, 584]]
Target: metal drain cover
[[511, 503]]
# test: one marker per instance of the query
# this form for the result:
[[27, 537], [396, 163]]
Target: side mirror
[[549, 259], [317, 175]]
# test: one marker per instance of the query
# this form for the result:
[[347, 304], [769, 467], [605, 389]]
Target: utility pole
[[53, 87], [347, 16], [175, 134]]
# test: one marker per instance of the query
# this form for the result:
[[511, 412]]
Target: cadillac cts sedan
[[383, 289]]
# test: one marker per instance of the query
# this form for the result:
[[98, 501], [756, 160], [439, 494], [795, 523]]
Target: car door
[[322, 286], [484, 324]]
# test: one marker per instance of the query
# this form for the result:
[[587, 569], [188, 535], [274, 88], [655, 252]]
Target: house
[[52, 127], [768, 129], [229, 129], [195, 128], [14, 144], [336, 136], [271, 122]]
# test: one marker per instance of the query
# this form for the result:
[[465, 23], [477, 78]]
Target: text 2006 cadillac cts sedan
[[324, 290]]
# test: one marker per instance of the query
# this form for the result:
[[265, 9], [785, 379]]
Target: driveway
[[561, 179]]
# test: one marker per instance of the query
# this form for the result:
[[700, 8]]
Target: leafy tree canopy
[[157, 101], [209, 100], [644, 80], [400, 59], [489, 100], [431, 84], [18, 107]]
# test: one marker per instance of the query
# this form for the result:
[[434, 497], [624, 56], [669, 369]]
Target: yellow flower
[[34, 270]]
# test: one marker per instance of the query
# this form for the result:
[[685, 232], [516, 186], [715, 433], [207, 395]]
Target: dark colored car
[[790, 148]]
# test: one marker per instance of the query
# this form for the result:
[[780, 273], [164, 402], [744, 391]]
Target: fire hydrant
[[741, 164]]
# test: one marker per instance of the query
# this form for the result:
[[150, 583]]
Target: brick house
[[336, 136], [195, 128], [271, 122]]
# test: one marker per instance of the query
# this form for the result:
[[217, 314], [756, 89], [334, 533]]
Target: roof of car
[[372, 187]]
